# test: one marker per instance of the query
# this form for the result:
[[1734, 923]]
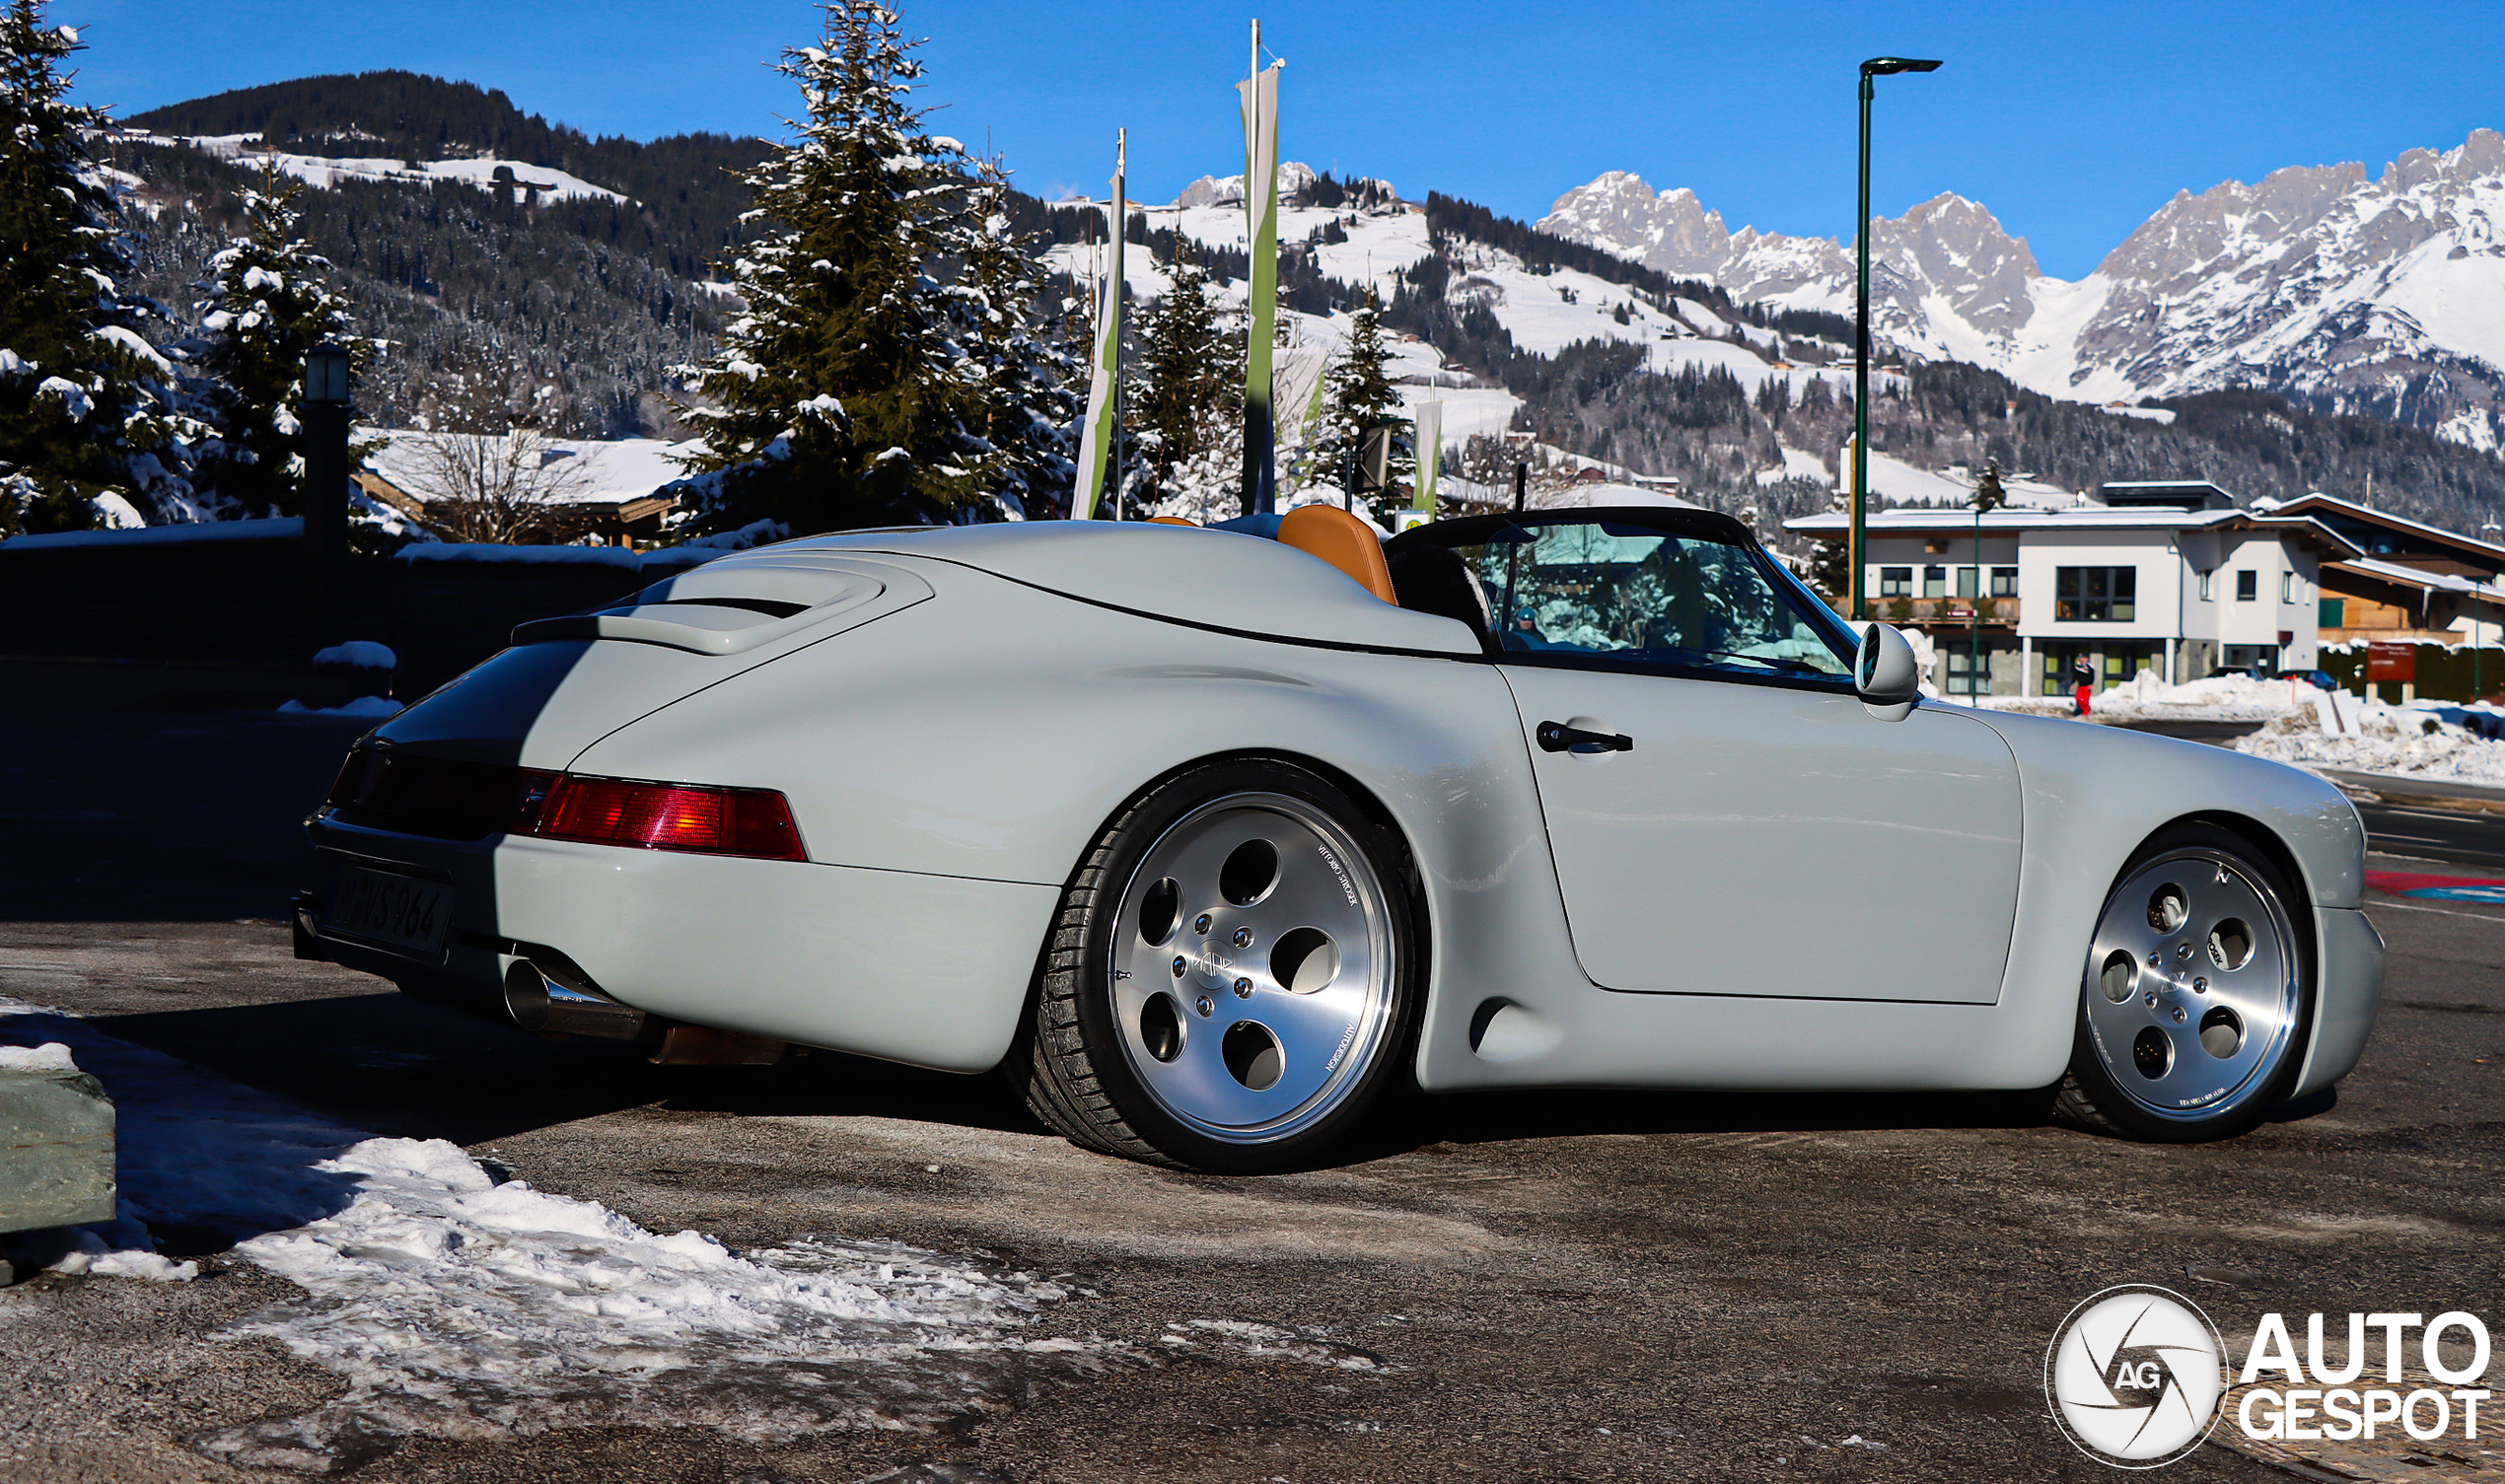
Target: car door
[[1760, 832]]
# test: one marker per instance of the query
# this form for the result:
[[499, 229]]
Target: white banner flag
[[1102, 427]]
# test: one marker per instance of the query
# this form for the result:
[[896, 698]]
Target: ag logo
[[2134, 1376]]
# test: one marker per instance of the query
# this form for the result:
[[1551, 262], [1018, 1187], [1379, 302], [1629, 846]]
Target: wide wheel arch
[[1053, 1096]]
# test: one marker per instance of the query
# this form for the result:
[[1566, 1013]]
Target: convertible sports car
[[1205, 837]]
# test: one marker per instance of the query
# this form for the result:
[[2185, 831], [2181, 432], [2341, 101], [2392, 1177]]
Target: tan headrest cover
[[1342, 539]]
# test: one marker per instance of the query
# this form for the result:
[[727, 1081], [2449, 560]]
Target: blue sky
[[2071, 121]]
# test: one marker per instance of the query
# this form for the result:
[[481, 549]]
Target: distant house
[[616, 501], [2174, 577], [2409, 582]]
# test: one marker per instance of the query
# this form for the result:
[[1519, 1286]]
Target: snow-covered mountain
[[2383, 294]]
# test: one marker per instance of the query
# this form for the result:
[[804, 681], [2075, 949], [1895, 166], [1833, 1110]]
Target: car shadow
[[393, 1065]]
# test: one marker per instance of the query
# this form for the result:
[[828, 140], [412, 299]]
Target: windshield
[[1633, 592]]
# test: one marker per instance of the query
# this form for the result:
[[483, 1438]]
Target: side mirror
[[1885, 675]]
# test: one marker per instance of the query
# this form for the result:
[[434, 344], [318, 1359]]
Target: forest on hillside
[[487, 298]]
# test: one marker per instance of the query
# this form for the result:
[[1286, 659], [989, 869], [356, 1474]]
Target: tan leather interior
[[1170, 521], [1342, 539]]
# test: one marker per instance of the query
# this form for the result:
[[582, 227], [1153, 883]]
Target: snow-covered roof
[[613, 470], [2320, 501], [2074, 517], [2412, 577]]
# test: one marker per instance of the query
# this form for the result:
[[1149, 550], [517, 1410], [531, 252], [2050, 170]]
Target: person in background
[[2083, 680]]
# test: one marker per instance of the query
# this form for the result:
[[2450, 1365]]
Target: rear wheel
[[1230, 979], [2197, 994]]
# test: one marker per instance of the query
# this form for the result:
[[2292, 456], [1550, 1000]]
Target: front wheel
[[1230, 981], [2197, 995]]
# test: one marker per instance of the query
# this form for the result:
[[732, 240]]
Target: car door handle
[[1557, 737]]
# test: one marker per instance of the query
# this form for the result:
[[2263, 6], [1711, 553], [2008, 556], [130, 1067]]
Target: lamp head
[[327, 375], [1885, 66]]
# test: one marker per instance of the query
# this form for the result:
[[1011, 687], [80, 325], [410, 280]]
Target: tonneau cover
[[1214, 577]]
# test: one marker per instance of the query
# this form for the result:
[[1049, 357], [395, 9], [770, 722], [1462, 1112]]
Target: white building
[[2174, 578]]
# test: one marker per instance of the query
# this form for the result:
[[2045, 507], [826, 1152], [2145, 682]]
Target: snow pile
[[52, 1056], [358, 654], [2403, 740], [2218, 698], [379, 707], [459, 1306]]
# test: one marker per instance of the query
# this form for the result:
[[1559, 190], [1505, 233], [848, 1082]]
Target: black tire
[[2117, 1087], [1078, 1063]]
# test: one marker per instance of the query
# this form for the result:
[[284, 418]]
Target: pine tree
[[269, 304], [1186, 407], [1361, 397], [843, 397], [92, 419], [1829, 571], [1009, 330]]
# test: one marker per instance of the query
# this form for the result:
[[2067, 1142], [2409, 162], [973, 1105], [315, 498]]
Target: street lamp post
[[2487, 532], [1878, 66]]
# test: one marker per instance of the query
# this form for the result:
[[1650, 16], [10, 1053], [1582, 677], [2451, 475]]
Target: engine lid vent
[[729, 608]]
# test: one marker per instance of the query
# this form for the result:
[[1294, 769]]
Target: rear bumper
[[932, 970], [2348, 990]]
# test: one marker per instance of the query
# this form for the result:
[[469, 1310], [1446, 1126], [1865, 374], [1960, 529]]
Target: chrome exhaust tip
[[548, 994]]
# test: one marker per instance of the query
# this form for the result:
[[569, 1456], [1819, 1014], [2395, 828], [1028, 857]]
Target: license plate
[[389, 910]]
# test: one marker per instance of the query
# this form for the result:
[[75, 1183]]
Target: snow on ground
[[328, 171], [375, 707], [1905, 484], [2218, 698], [1798, 464], [2420, 741], [360, 654], [281, 528], [454, 1305]]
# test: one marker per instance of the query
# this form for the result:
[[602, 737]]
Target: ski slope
[[325, 171]]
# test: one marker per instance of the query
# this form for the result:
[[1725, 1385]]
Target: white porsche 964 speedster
[[1206, 837]]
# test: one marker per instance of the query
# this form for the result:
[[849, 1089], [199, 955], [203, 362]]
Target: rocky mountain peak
[[2375, 293]]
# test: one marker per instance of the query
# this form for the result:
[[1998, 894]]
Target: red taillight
[[670, 816]]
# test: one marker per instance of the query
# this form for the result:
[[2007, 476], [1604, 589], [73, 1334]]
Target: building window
[[1935, 582], [2004, 582], [2247, 585], [1965, 580], [2205, 584], [1895, 582], [2331, 614], [2287, 587], [1969, 678], [2095, 594]]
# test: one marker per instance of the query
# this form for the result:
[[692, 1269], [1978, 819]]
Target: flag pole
[[1261, 209], [1100, 436]]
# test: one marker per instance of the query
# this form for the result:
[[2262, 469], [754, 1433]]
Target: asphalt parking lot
[[1525, 1287]]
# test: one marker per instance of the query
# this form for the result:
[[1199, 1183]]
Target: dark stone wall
[[97, 610]]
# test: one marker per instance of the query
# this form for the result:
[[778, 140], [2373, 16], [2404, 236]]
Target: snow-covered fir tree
[[268, 304], [1187, 406], [1015, 328], [844, 396], [1360, 397], [94, 425]]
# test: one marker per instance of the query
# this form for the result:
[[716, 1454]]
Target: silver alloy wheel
[[2192, 985], [1253, 968]]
